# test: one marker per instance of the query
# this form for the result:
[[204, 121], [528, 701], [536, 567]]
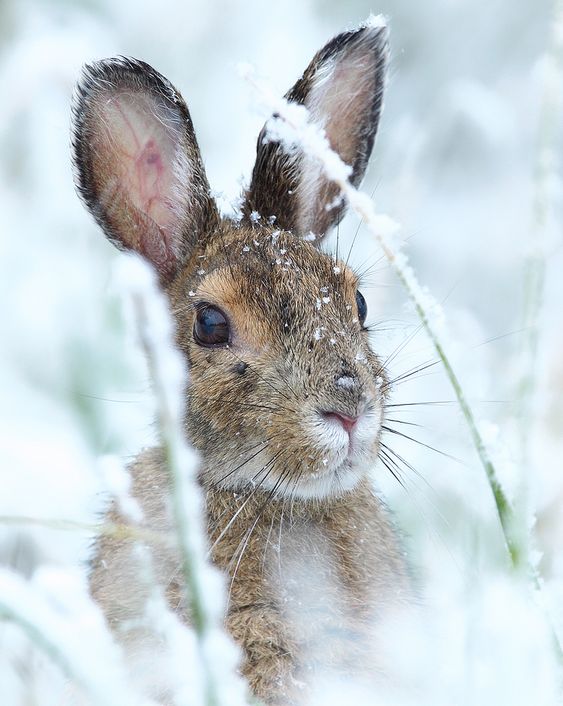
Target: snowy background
[[467, 160]]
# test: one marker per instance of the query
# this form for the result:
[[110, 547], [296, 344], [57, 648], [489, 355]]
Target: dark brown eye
[[362, 307], [211, 327]]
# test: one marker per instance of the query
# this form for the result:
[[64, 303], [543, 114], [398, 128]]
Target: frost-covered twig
[[95, 670], [291, 125], [204, 589]]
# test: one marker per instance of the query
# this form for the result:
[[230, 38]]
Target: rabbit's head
[[285, 392]]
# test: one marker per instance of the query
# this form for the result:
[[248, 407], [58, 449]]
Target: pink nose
[[348, 423]]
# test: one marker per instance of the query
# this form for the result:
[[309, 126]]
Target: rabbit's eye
[[362, 307], [211, 327]]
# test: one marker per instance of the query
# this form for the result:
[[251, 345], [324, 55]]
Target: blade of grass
[[297, 128], [204, 594]]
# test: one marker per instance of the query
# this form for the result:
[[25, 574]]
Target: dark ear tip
[[372, 34], [119, 71], [97, 81], [373, 31], [103, 77], [375, 25]]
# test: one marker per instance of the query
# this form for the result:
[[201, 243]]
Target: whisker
[[402, 421], [251, 405], [386, 462], [241, 508], [267, 543], [413, 371], [414, 499], [421, 443], [501, 336], [249, 532], [370, 268], [401, 345], [107, 399], [395, 457], [418, 404], [263, 445]]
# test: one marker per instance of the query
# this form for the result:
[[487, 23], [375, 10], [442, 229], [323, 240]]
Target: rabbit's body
[[286, 397], [307, 588]]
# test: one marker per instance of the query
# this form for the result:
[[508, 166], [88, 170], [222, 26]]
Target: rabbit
[[286, 398]]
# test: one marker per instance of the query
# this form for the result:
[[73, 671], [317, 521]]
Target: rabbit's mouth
[[347, 447], [326, 455]]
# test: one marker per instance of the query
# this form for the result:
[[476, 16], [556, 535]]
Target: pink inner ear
[[141, 151], [149, 175], [339, 101]]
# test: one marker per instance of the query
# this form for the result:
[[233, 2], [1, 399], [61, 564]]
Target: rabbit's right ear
[[342, 88], [137, 163]]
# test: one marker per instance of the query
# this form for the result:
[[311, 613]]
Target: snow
[[453, 165], [374, 22], [205, 592], [55, 611]]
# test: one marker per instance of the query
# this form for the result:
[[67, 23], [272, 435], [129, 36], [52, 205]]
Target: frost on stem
[[544, 230], [293, 126], [204, 589]]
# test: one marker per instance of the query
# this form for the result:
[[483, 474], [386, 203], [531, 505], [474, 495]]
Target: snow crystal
[[346, 381], [374, 22]]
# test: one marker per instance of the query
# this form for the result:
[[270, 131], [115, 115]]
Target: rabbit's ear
[[342, 88], [137, 163]]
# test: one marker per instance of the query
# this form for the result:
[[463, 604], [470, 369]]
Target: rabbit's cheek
[[331, 437], [365, 435]]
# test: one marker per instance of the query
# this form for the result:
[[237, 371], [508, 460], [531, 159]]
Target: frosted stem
[[186, 494], [545, 181], [315, 144]]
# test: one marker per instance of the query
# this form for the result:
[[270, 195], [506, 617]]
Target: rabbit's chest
[[320, 578]]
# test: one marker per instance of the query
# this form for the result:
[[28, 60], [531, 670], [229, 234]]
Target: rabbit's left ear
[[342, 88], [137, 163]]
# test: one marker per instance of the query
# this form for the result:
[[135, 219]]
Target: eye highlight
[[211, 327], [362, 307]]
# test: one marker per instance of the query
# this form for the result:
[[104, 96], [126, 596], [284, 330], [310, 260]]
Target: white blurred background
[[466, 159]]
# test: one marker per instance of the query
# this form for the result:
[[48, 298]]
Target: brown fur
[[310, 557], [363, 580]]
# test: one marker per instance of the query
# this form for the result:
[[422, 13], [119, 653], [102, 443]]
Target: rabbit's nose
[[348, 423]]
